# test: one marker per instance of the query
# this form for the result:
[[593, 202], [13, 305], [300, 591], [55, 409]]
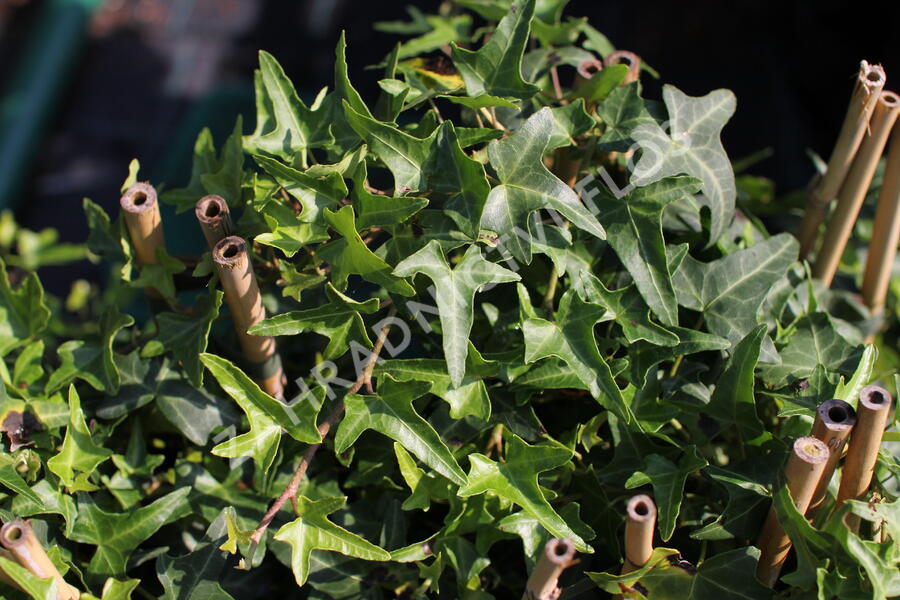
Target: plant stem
[[290, 492]]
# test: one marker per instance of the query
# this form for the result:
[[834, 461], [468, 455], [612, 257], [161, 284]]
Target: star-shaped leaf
[[527, 186], [185, 336], [313, 531], [339, 320], [622, 112], [693, 148], [380, 211], [391, 413], [266, 415], [158, 275], [404, 154], [470, 398], [634, 229], [351, 256], [116, 535], [730, 290], [195, 575], [626, 306], [79, 455], [667, 479], [23, 312], [93, 362], [571, 338], [458, 180], [289, 232], [496, 68], [285, 126], [516, 480], [455, 295]]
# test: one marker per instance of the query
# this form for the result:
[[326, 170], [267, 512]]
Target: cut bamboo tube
[[214, 217], [244, 300], [834, 420], [885, 232], [543, 582], [587, 69], [566, 164], [141, 210], [862, 452], [18, 537], [802, 474], [639, 528], [853, 191], [624, 57], [869, 83]]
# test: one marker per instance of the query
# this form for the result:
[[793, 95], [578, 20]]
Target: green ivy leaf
[[105, 239], [730, 290], [693, 148], [496, 68], [185, 336], [436, 31], [92, 362], [815, 341], [290, 232], [35, 587], [380, 211], [527, 186], [159, 275], [571, 339], [626, 307], [351, 256], [516, 480], [622, 112], [267, 416], [285, 126], [667, 479], [79, 455], [193, 576], [423, 486], [455, 295], [23, 312], [634, 228], [733, 401], [313, 531], [391, 413], [116, 535], [339, 320]]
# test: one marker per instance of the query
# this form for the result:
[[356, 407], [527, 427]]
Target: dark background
[[151, 73]]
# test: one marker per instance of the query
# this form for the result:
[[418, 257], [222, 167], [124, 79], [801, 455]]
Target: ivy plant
[[506, 297]]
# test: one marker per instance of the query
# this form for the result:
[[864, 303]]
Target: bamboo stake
[[853, 191], [585, 70], [802, 473], [215, 218], [834, 420], [141, 210], [243, 298], [869, 83], [885, 234], [4, 577], [18, 537], [639, 528], [558, 555], [627, 58], [862, 452]]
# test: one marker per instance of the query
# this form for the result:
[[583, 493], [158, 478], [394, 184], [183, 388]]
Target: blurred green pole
[[37, 85]]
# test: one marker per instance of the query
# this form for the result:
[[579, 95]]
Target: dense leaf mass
[[506, 298]]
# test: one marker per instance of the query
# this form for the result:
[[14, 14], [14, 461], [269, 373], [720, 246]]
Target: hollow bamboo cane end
[[624, 57], [809, 451], [589, 67], [214, 217], [558, 554], [140, 208], [871, 77], [18, 538], [833, 415], [230, 252], [875, 398], [639, 527]]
